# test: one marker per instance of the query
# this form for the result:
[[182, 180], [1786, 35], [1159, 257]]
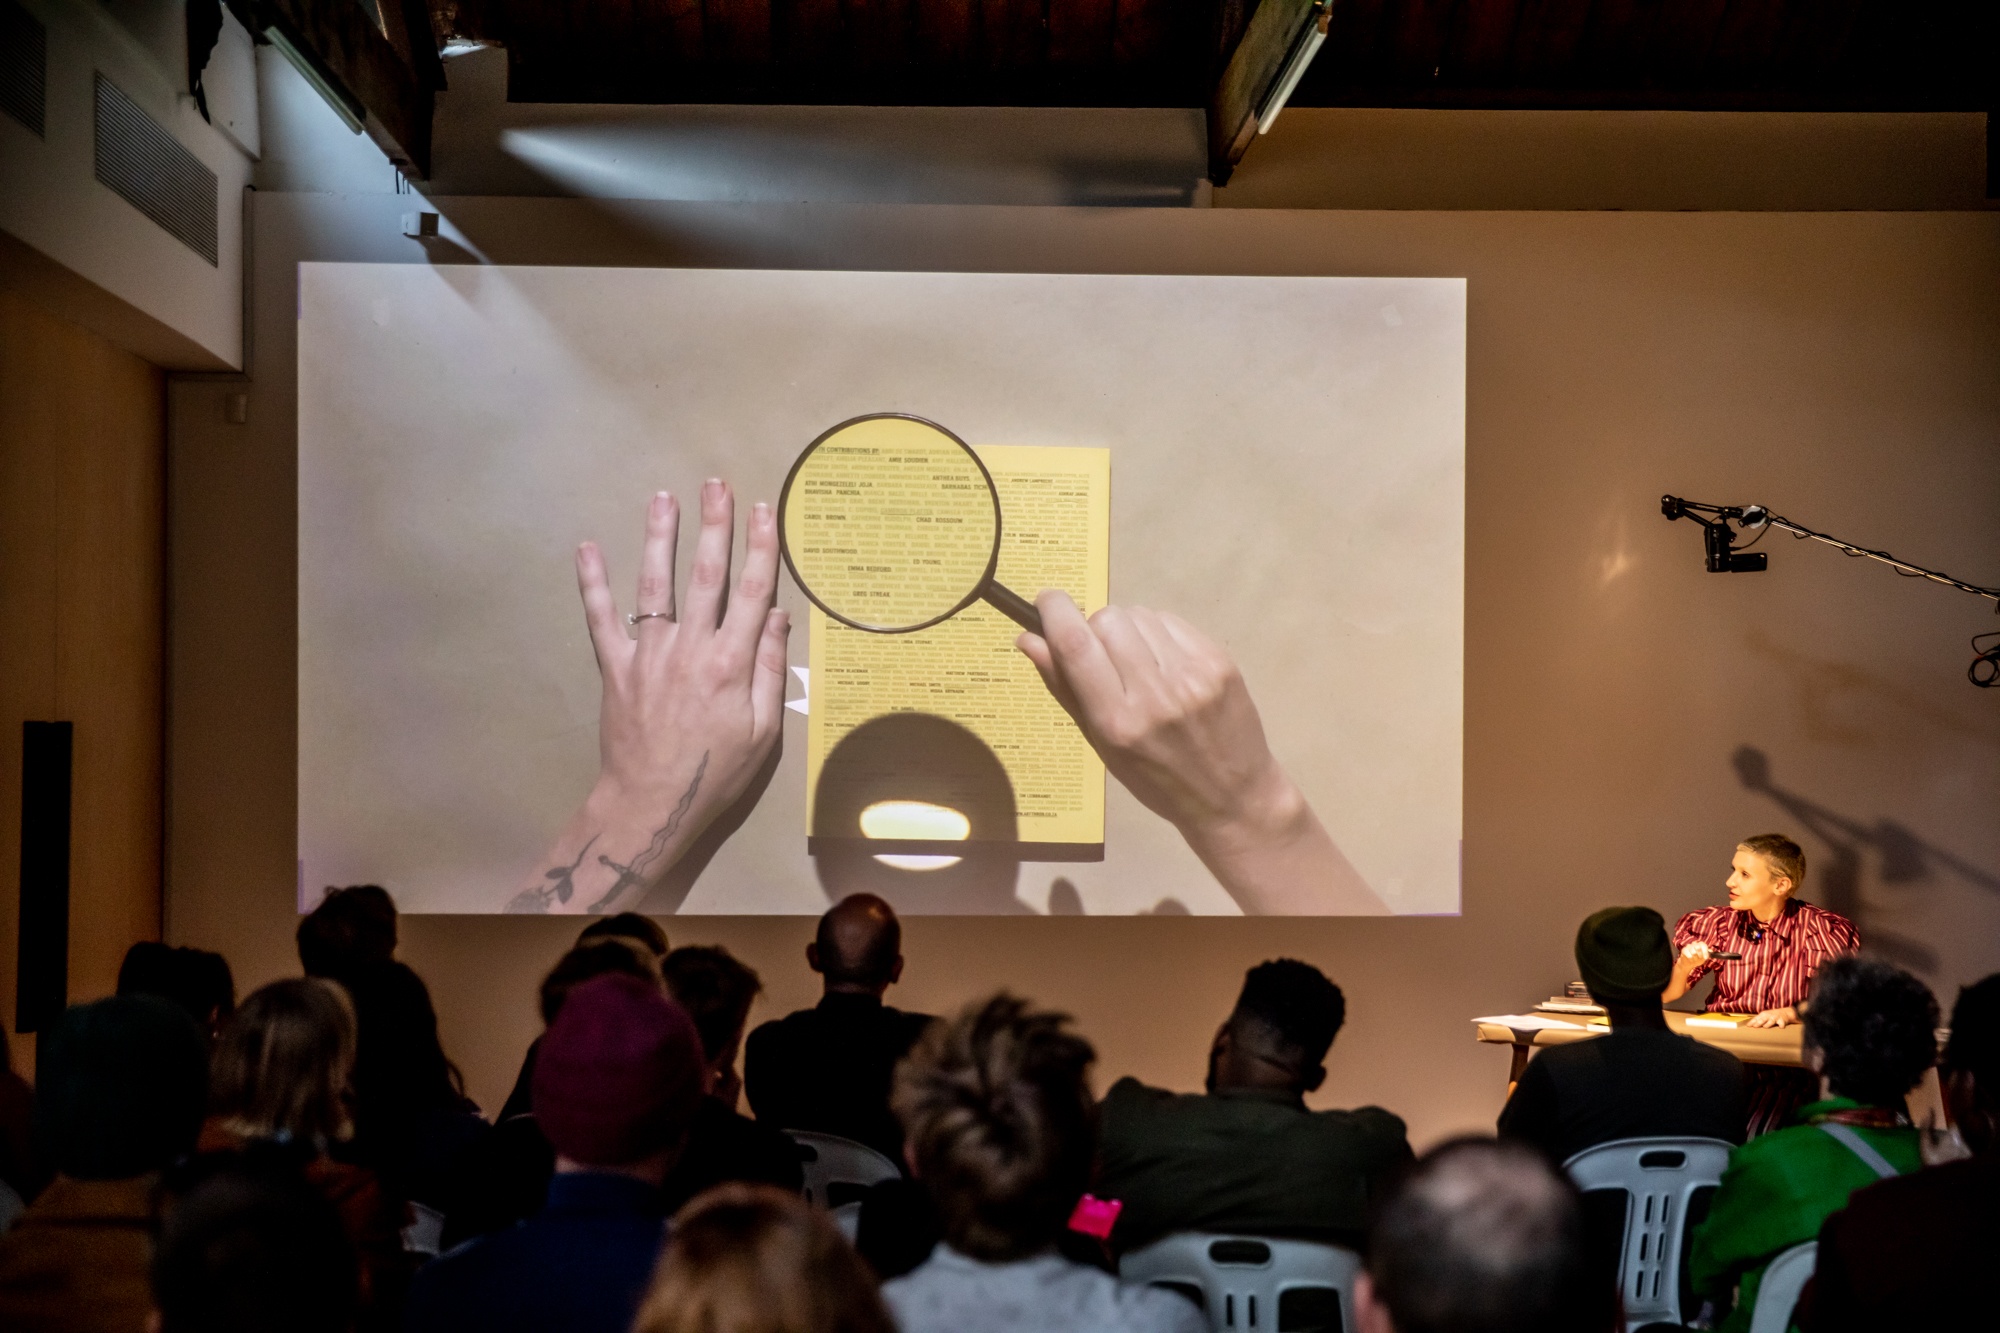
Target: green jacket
[[1776, 1192]]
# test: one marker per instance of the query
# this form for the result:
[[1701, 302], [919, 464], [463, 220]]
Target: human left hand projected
[[692, 704]]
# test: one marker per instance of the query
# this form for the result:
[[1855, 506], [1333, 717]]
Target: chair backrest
[[839, 1171], [1778, 1290], [1247, 1284], [1660, 1179]]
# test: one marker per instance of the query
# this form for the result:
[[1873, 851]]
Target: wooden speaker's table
[[1755, 1046]]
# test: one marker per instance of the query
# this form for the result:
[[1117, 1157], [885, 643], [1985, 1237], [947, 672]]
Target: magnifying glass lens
[[890, 523]]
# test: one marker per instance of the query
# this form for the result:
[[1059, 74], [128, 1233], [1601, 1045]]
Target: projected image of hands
[[555, 653], [693, 702]]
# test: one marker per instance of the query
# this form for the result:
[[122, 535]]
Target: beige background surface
[[1287, 472], [1837, 366]]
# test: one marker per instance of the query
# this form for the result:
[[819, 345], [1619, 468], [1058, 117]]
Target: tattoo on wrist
[[560, 888], [640, 872]]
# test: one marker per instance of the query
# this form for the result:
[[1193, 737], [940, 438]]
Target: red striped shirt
[[1779, 957]]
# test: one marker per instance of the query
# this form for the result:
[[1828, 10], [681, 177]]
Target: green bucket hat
[[1624, 955]]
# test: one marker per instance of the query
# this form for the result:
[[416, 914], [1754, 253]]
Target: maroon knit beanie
[[618, 1074]]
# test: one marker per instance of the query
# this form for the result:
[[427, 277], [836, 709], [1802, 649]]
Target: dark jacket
[[1241, 1160], [1630, 1083], [828, 1069], [580, 1265], [77, 1260], [1913, 1252], [723, 1145]]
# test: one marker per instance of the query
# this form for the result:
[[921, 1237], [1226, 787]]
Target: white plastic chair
[[839, 1171], [1659, 1178], [424, 1233], [1246, 1284], [1779, 1289]]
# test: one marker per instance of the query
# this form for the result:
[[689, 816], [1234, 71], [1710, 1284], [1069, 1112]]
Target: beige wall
[[1839, 367], [82, 554]]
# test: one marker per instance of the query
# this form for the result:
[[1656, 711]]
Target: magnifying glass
[[890, 523]]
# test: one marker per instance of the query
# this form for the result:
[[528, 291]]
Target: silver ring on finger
[[634, 617]]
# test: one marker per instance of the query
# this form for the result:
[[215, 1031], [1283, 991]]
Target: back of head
[[1974, 1047], [250, 1248], [120, 1088], [996, 1109], [198, 981], [1875, 1027], [604, 956], [1290, 1008], [619, 1073], [753, 1259], [640, 930], [1624, 956], [285, 1063], [350, 927], [859, 942], [716, 990], [400, 1067], [1487, 1237]]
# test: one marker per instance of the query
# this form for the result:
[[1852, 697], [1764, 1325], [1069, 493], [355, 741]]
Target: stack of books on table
[[1575, 999]]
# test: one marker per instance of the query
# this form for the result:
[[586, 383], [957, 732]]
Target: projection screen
[[1280, 461]]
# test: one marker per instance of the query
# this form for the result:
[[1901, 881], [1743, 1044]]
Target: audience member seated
[[717, 991], [350, 928], [283, 1073], [753, 1259], [1869, 1035], [247, 1246], [1641, 1079], [506, 1178], [1916, 1252], [622, 943], [412, 1120], [1247, 1155], [195, 979], [617, 1084], [1483, 1237], [828, 1068], [997, 1113], [122, 1083]]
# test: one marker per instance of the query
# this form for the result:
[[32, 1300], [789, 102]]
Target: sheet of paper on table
[[1055, 507], [1526, 1022]]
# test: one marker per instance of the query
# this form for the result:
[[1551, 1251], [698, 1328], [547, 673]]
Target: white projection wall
[[1287, 472]]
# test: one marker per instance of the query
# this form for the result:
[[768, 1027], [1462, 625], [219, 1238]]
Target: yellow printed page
[[1055, 506]]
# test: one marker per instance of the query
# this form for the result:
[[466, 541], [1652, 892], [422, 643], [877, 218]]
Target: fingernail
[[711, 488]]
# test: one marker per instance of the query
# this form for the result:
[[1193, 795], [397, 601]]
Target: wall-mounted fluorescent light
[[1303, 51], [351, 112]]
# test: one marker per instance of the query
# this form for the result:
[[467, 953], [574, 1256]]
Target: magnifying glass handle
[[1014, 606]]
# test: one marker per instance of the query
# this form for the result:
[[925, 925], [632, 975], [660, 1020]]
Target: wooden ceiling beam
[[362, 70]]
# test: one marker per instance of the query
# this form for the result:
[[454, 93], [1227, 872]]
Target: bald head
[[859, 946], [1484, 1237]]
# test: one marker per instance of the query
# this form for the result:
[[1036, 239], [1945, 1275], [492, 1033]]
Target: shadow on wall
[[919, 760], [1904, 860]]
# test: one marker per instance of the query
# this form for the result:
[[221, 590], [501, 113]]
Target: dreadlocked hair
[[996, 1108]]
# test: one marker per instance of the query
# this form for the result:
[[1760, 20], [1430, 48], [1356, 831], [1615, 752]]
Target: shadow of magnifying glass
[[890, 523]]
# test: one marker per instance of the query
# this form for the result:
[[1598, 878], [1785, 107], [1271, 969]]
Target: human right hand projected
[[1167, 710]]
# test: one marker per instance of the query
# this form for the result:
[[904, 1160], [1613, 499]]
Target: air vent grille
[[24, 66], [152, 171]]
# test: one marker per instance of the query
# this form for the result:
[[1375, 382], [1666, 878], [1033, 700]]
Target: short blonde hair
[[285, 1063], [1781, 854], [755, 1259]]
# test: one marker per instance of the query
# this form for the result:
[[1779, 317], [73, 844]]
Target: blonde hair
[[285, 1063], [755, 1259], [1781, 854]]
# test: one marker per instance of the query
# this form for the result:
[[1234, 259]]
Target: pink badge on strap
[[1095, 1217]]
